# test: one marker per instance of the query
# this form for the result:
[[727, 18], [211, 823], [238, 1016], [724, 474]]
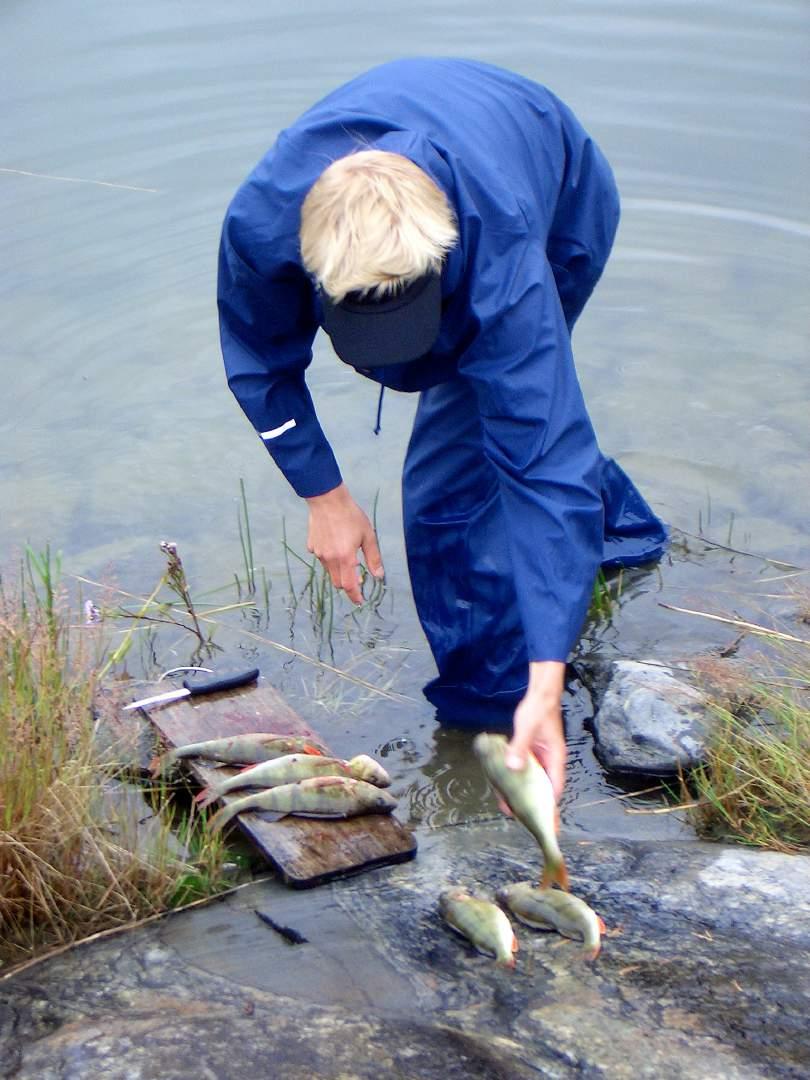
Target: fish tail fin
[[222, 817], [159, 764], [205, 798], [508, 962], [555, 873], [591, 951]]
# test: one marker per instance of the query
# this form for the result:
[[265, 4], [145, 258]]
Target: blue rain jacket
[[537, 211]]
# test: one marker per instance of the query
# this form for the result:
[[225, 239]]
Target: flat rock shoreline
[[704, 972]]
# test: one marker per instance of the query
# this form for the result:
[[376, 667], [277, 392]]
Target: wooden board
[[305, 851]]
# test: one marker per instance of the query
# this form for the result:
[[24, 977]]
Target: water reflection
[[451, 786]]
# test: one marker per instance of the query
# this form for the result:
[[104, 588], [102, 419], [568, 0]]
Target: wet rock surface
[[650, 720], [703, 973]]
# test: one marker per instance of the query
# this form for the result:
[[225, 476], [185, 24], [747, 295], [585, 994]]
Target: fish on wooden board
[[551, 909], [319, 796], [482, 923], [294, 767], [529, 795], [239, 749]]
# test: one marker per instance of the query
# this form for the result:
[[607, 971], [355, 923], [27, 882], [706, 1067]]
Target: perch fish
[[319, 796], [239, 749], [529, 795], [550, 909], [294, 767], [481, 922]]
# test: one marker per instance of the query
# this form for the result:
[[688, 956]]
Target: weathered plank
[[306, 851]]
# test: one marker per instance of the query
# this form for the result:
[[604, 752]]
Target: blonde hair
[[373, 222]]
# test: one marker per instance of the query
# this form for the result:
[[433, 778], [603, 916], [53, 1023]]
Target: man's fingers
[[552, 758], [371, 553], [350, 582], [345, 577], [517, 751]]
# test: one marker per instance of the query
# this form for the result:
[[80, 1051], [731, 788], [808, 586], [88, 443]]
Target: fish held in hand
[[239, 749], [319, 796], [529, 795], [551, 909], [482, 923], [294, 767]]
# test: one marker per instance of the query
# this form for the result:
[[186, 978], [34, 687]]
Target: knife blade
[[197, 687]]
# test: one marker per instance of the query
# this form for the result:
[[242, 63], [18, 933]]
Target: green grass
[[72, 858], [606, 594], [755, 785]]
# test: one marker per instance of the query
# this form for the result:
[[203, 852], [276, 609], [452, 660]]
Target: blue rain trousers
[[510, 506]]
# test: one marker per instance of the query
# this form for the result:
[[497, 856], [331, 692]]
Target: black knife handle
[[222, 682]]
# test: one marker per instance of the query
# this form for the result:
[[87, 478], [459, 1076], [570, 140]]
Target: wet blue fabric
[[510, 506]]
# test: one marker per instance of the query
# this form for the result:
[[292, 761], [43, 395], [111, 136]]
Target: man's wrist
[[337, 496], [546, 680]]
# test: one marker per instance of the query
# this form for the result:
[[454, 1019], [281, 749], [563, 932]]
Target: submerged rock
[[703, 973], [650, 721]]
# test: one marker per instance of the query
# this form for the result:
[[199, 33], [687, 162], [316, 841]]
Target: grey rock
[[649, 721], [704, 973]]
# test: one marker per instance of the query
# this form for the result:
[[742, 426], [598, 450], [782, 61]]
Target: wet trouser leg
[[458, 557]]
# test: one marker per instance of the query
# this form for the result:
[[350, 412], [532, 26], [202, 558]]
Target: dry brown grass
[[72, 860], [755, 785]]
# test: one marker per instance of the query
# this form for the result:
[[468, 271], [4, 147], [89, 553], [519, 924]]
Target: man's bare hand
[[538, 726], [338, 529]]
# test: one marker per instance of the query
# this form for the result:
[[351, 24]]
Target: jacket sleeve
[[267, 325], [538, 436]]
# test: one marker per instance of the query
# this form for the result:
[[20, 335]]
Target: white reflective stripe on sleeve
[[276, 431]]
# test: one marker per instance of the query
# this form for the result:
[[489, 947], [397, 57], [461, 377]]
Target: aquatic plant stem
[[740, 551], [390, 695], [752, 628]]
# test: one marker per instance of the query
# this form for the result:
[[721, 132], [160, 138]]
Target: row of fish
[[295, 775], [529, 795], [486, 925]]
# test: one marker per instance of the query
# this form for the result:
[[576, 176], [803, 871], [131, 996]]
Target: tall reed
[[72, 861]]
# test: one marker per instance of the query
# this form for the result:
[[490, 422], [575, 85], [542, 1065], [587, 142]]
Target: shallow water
[[126, 131]]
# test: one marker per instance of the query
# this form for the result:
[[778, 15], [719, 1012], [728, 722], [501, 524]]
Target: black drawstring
[[377, 428]]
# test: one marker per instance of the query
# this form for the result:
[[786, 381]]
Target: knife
[[196, 687]]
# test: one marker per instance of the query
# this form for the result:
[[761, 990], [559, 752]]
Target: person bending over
[[445, 222]]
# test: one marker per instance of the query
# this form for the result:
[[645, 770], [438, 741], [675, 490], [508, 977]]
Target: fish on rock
[[319, 796], [294, 767], [482, 923], [529, 795], [551, 909], [239, 749]]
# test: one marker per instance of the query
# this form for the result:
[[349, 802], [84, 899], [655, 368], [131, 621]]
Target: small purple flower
[[92, 614]]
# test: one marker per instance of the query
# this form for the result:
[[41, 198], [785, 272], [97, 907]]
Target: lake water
[[125, 131]]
